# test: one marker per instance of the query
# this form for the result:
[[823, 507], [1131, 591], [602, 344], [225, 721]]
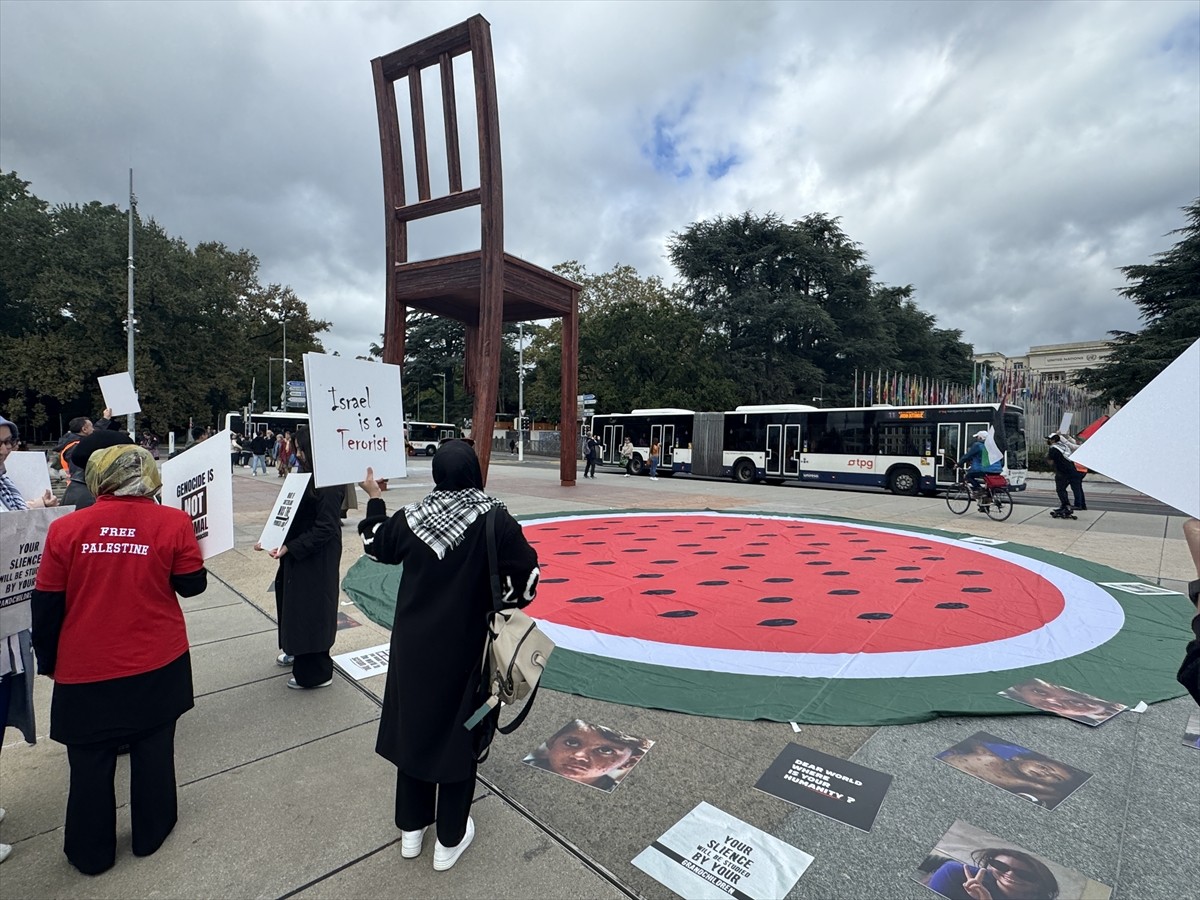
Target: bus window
[[905, 440], [1014, 433]]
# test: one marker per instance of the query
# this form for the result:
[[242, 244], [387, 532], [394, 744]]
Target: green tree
[[1167, 293]]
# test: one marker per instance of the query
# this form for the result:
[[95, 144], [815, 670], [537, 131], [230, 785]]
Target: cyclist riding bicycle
[[980, 461]]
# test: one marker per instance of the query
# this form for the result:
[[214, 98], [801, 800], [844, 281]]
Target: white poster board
[[119, 395], [199, 482], [29, 471], [709, 854], [275, 532], [22, 537], [1159, 425], [1064, 427], [356, 418]]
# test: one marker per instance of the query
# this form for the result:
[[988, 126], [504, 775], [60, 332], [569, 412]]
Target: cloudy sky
[[1003, 158]]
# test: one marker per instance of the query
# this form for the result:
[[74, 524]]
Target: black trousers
[[1060, 487], [90, 841], [420, 803], [589, 468], [311, 669], [1077, 490]]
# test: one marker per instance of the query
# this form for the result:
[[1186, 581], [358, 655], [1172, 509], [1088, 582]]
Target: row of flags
[[987, 386]]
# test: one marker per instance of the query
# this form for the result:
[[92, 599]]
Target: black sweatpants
[[90, 841], [311, 669], [416, 802]]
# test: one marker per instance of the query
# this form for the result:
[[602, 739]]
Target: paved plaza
[[281, 793]]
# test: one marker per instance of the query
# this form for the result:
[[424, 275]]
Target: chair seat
[[450, 286]]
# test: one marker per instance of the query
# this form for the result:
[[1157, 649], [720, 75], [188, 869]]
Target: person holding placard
[[442, 606], [306, 585], [107, 627]]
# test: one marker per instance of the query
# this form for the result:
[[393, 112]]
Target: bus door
[[948, 452], [668, 446], [791, 450], [774, 460], [612, 437]]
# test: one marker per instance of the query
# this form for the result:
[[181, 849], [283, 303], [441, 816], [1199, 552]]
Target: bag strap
[[520, 717], [489, 526]]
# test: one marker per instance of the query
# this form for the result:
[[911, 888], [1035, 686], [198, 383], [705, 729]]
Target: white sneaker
[[654, 478], [300, 687], [5, 849], [445, 857], [626, 474], [284, 660], [1, 813], [411, 842]]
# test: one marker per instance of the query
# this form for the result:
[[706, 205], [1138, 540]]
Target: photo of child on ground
[[1063, 701], [971, 864], [594, 755], [1016, 769]]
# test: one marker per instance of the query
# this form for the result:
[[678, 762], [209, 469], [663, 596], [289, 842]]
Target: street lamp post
[[275, 359], [443, 377]]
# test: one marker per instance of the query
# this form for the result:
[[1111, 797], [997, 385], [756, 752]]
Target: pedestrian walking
[[627, 457], [655, 455]]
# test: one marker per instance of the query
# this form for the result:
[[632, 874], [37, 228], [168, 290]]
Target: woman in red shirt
[[108, 629]]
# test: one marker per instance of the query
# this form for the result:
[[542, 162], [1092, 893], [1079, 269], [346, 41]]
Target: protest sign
[[1063, 701], [827, 785], [29, 472], [199, 482], [356, 417], [360, 664], [1016, 769], [595, 755], [1191, 731], [275, 532], [22, 537], [711, 855], [119, 395]]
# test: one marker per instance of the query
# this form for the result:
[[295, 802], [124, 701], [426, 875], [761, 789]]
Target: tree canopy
[[1167, 292]]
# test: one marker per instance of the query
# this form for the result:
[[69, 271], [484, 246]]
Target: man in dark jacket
[[1064, 471], [258, 450], [77, 429]]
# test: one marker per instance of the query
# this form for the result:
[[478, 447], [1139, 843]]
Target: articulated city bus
[[906, 449], [424, 437]]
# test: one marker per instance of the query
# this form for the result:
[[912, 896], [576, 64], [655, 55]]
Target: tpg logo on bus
[[861, 463]]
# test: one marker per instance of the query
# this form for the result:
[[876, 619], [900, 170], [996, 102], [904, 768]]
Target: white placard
[[1160, 423], [29, 471], [22, 537], [1064, 427], [360, 664], [119, 395], [710, 854], [199, 482], [275, 532], [356, 418]]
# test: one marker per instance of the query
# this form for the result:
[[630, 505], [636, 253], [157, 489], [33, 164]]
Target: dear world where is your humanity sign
[[199, 481], [833, 787], [357, 419], [712, 855]]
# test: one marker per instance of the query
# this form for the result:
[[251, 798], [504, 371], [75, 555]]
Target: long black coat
[[433, 681], [306, 587]]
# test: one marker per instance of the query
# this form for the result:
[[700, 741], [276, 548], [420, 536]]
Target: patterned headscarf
[[124, 471], [442, 518]]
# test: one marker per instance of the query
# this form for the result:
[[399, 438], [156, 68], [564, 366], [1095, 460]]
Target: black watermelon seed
[[819, 562], [920, 547], [731, 529], [664, 562], [634, 550], [969, 572], [779, 580], [750, 555], [624, 533], [818, 543], [759, 544], [550, 527], [602, 562], [594, 543], [769, 534], [933, 557], [658, 592], [734, 568], [843, 592], [598, 528], [646, 575], [585, 599], [705, 553], [756, 524], [908, 568], [690, 545], [863, 558], [909, 580], [711, 583], [643, 539], [976, 590], [774, 599], [876, 550], [847, 532], [777, 623], [678, 614], [572, 535], [567, 553], [681, 531], [808, 552], [554, 581], [835, 572], [875, 616], [716, 537], [860, 541], [952, 606]]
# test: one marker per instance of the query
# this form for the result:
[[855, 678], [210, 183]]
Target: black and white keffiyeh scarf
[[441, 520], [10, 494]]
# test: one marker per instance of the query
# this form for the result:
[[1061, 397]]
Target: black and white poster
[[710, 855], [833, 787], [22, 537]]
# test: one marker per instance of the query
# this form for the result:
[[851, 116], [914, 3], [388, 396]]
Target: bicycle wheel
[[1001, 506], [958, 498]]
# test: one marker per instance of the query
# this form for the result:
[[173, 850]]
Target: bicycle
[[993, 498]]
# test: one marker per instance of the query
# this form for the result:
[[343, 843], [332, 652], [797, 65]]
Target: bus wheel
[[636, 465], [743, 471], [430, 450], [904, 480]]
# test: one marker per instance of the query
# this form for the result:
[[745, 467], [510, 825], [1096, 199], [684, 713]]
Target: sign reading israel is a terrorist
[[357, 419], [199, 482]]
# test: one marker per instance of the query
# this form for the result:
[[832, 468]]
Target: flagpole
[[129, 423]]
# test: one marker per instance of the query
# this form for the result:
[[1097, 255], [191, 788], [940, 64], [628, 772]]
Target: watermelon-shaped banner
[[834, 621]]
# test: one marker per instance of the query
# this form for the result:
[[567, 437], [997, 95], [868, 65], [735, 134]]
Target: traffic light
[[526, 423]]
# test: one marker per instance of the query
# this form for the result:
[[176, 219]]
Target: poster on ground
[[119, 395], [969, 862], [1063, 701], [22, 537], [29, 472], [710, 855], [279, 522], [1016, 769], [595, 755], [832, 787], [1191, 731], [360, 664], [199, 481], [356, 418]]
